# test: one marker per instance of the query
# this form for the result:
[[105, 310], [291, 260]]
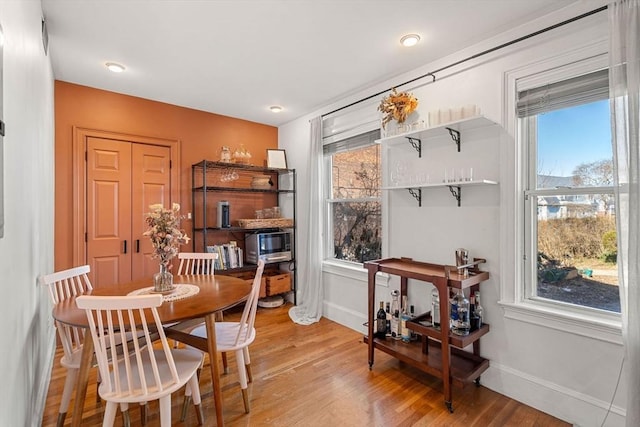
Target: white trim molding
[[554, 399]]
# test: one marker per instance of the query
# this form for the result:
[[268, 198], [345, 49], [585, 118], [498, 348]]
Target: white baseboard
[[561, 402], [566, 404], [344, 316]]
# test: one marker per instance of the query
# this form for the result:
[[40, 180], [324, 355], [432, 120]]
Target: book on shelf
[[229, 256]]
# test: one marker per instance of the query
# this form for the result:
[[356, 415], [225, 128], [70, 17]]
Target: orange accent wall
[[201, 136]]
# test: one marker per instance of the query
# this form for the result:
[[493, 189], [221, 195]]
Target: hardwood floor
[[318, 375]]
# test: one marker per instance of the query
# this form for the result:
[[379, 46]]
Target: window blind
[[568, 93], [354, 142]]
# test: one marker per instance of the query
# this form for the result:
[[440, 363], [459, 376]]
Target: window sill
[[352, 271], [604, 328]]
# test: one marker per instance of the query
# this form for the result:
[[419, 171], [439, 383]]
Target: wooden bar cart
[[438, 352]]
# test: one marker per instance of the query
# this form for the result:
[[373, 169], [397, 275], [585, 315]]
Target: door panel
[[151, 183], [108, 210]]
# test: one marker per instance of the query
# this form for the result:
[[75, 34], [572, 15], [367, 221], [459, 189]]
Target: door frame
[[79, 172]]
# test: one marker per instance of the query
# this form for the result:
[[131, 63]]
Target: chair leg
[[69, 383], [109, 414], [186, 402], [195, 391], [225, 364], [98, 381], [126, 419], [165, 411], [243, 379], [187, 394], [61, 417], [247, 364], [143, 413]]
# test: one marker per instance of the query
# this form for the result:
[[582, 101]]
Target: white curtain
[[624, 91], [310, 291]]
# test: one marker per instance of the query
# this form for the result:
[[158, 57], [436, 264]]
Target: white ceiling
[[236, 58]]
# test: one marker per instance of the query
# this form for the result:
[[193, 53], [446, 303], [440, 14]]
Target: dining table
[[196, 298]]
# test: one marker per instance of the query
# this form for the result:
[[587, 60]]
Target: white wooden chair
[[237, 336], [144, 372], [196, 262], [199, 263], [63, 285]]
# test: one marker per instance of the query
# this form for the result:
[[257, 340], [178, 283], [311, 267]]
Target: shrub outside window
[[570, 228]]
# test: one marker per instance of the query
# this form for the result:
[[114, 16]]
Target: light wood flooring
[[318, 375]]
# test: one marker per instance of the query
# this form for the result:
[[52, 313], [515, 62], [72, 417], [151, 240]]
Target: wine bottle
[[412, 315], [381, 322], [395, 315], [459, 314], [478, 312], [404, 318], [435, 308], [388, 314]]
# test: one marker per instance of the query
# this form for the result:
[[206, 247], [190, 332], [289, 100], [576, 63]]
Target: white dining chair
[[144, 372], [63, 285], [199, 263], [196, 262], [236, 336]]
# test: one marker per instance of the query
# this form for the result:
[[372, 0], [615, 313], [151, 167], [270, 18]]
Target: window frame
[[593, 323], [329, 252]]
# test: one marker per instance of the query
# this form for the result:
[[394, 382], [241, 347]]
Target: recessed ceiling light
[[275, 108], [410, 40], [114, 67]]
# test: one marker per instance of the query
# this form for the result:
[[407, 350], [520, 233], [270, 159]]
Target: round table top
[[216, 293]]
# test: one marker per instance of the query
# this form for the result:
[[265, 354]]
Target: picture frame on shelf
[[276, 159]]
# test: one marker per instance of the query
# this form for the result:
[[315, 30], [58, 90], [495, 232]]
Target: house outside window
[[569, 222], [354, 217]]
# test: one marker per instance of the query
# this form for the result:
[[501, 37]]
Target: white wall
[[569, 376], [26, 251]]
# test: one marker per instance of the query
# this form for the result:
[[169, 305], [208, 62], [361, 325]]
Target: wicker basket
[[266, 223]]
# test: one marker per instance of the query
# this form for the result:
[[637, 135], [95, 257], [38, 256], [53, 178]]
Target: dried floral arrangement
[[397, 106], [164, 232]]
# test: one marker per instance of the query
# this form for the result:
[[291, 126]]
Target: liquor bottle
[[412, 315], [404, 318], [478, 312], [388, 314], [381, 322], [459, 314], [395, 315], [435, 308]]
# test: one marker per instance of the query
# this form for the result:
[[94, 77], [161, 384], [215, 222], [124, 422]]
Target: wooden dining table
[[216, 293]]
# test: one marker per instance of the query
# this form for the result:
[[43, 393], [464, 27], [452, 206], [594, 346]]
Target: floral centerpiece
[[397, 106], [165, 236]]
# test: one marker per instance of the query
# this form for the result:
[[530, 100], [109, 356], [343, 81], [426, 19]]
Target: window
[[354, 218], [569, 220]]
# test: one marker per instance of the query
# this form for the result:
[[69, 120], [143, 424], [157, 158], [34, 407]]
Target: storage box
[[265, 223], [278, 282], [248, 276]]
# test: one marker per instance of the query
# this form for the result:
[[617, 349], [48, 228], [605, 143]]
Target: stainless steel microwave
[[275, 246]]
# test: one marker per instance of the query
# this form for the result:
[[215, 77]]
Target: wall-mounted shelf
[[454, 187], [455, 130]]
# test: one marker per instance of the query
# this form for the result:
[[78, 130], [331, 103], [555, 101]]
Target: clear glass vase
[[163, 280]]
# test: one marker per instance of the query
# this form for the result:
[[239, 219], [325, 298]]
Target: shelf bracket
[[417, 144], [455, 135], [456, 192], [417, 194]]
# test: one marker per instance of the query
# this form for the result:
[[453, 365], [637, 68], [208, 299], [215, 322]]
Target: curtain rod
[[477, 55]]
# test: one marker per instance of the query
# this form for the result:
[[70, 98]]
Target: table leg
[[82, 380], [215, 367]]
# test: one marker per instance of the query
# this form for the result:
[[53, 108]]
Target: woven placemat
[[180, 291]]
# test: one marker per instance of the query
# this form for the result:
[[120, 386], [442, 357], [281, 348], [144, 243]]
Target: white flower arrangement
[[164, 232]]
